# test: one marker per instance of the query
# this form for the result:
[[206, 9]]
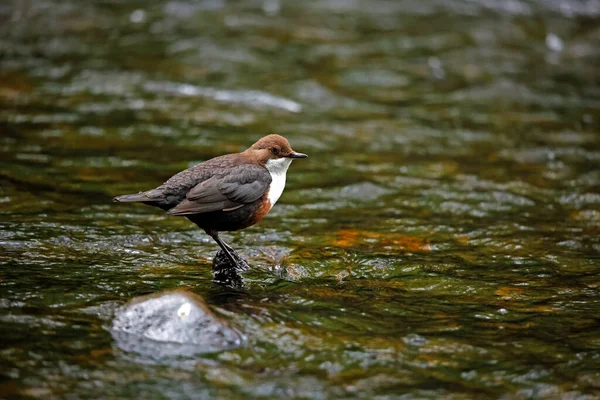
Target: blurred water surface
[[442, 240]]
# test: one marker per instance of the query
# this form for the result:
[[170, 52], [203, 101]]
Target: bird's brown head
[[273, 147]]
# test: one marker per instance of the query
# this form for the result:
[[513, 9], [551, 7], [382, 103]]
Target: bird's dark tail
[[131, 198]]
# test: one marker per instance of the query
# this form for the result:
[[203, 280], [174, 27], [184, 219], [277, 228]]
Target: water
[[440, 241]]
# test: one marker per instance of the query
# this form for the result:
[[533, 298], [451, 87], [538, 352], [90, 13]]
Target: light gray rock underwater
[[171, 324]]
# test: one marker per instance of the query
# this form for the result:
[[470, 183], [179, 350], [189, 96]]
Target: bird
[[226, 193]]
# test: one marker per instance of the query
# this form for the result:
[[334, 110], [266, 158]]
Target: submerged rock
[[173, 323], [227, 274]]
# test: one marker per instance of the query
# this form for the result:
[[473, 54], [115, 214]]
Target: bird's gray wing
[[225, 191]]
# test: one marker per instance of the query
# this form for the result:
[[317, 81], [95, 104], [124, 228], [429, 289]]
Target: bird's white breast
[[277, 168]]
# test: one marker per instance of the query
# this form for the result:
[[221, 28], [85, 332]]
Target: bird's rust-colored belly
[[234, 220], [262, 209]]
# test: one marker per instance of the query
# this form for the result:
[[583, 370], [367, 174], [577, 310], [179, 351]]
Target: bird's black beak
[[294, 154]]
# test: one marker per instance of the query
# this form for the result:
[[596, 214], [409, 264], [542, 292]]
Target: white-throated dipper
[[226, 193]]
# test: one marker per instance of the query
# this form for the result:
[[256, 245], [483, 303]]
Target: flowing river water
[[442, 240]]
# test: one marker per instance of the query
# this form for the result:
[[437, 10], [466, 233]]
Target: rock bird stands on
[[226, 193]]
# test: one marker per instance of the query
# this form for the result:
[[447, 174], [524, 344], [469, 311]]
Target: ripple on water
[[249, 98]]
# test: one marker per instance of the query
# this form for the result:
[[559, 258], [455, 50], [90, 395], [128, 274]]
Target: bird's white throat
[[277, 168]]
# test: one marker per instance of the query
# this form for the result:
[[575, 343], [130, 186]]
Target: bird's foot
[[240, 264], [227, 273]]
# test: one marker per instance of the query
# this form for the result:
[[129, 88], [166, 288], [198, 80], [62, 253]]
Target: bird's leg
[[236, 261]]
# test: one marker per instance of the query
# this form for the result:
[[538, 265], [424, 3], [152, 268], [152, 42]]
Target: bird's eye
[[274, 150]]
